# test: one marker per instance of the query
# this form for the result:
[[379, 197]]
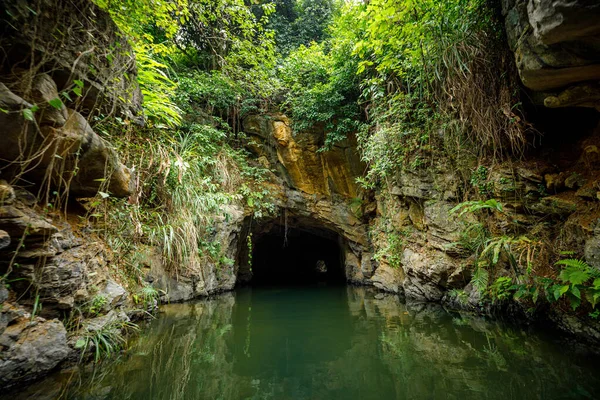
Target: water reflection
[[329, 343]]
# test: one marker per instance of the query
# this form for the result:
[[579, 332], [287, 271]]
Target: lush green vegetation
[[411, 80]]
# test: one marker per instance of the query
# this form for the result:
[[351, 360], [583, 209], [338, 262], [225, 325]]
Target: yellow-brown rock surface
[[305, 167]]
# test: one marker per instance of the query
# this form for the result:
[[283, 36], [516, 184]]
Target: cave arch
[[291, 251]]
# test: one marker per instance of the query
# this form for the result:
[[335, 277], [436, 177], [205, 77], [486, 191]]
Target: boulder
[[388, 279], [555, 21], [427, 273], [114, 294], [30, 349], [71, 152], [554, 42]]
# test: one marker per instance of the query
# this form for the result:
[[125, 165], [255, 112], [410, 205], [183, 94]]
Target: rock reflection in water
[[329, 343]]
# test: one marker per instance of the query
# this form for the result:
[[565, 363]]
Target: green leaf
[[66, 96], [56, 103], [575, 275], [28, 114], [575, 302], [77, 91], [536, 294], [559, 290], [78, 82], [575, 291], [81, 342]]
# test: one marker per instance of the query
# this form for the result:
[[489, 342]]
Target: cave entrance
[[296, 255]]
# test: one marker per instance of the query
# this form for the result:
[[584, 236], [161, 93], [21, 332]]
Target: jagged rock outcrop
[[59, 69], [29, 348], [556, 49], [57, 146], [70, 40], [206, 278], [54, 269]]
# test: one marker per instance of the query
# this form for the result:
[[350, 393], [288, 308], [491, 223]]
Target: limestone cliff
[[56, 71], [401, 238]]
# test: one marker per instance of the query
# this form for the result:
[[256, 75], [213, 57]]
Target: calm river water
[[329, 343]]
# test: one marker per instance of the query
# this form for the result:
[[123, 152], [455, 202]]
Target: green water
[[330, 343]]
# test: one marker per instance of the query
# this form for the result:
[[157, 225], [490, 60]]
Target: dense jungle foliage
[[411, 79]]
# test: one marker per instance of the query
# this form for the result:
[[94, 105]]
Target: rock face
[[556, 48], [58, 146], [60, 69], [29, 348], [313, 190], [85, 45], [52, 271], [297, 158]]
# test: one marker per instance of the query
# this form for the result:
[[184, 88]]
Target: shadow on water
[[328, 343]]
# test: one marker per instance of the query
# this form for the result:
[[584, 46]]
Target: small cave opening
[[561, 131], [296, 255]]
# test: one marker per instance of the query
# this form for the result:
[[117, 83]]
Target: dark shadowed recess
[[296, 255], [561, 130]]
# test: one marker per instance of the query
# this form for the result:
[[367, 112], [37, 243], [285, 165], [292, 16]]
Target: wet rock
[[30, 349], [353, 268], [583, 328]]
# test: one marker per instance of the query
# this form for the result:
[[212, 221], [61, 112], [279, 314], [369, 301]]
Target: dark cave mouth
[[296, 256]]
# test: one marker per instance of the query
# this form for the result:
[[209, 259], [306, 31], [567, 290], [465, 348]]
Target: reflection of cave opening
[[296, 255]]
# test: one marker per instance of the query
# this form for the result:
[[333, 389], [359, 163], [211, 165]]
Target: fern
[[476, 205], [480, 279], [576, 274], [574, 262]]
